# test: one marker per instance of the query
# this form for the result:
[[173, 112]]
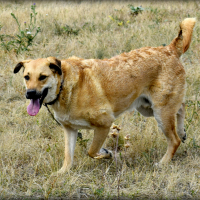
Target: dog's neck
[[52, 102]]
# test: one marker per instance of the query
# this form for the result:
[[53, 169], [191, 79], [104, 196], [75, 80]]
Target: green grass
[[31, 148]]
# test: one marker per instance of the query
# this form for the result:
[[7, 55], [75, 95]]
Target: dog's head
[[42, 79]]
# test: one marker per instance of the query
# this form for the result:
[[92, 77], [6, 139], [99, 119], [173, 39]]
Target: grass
[[31, 148]]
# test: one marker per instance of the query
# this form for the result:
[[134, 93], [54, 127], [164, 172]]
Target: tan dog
[[91, 93]]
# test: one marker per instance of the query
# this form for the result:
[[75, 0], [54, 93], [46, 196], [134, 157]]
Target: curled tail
[[182, 42]]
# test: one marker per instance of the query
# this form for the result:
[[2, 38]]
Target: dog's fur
[[91, 93]]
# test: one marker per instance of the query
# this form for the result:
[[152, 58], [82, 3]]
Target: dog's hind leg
[[70, 142], [180, 123], [95, 151], [166, 121]]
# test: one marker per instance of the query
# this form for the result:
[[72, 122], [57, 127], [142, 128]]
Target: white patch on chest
[[64, 119]]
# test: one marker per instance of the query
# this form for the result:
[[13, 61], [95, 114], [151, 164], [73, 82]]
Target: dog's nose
[[31, 94]]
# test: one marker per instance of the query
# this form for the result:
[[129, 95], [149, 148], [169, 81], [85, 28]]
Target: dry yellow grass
[[31, 148]]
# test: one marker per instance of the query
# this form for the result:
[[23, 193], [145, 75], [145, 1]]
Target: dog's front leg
[[95, 151], [70, 142]]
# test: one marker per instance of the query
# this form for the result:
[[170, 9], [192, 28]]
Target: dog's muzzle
[[33, 94], [37, 99]]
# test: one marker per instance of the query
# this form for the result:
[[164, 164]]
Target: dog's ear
[[55, 64], [20, 65]]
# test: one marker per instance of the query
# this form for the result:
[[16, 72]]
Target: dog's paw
[[104, 153], [184, 137]]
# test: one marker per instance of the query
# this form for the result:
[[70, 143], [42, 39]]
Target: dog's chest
[[66, 120]]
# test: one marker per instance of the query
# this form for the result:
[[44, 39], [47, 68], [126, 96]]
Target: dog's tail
[[182, 42]]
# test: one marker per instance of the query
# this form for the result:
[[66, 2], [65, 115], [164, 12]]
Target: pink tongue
[[34, 107]]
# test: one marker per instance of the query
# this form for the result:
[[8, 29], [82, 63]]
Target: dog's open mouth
[[36, 101]]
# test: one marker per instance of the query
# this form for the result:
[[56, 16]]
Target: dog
[[92, 93]]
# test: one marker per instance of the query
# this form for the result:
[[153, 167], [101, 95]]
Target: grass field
[[32, 148]]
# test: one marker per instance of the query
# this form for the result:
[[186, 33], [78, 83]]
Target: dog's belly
[[65, 120], [142, 104], [103, 117]]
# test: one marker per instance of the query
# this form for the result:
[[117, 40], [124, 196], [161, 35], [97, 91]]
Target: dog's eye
[[42, 77], [26, 77]]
